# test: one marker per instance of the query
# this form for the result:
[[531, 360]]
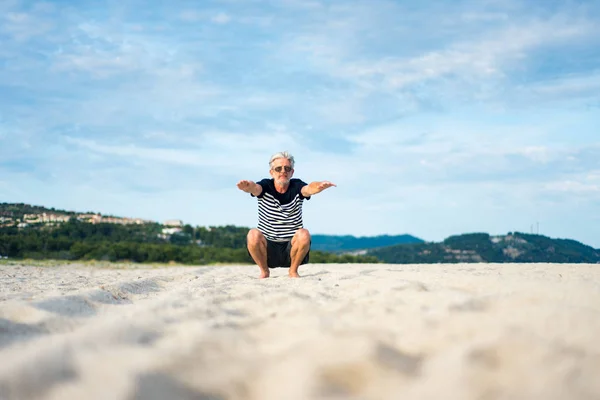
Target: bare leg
[[257, 247], [300, 247]]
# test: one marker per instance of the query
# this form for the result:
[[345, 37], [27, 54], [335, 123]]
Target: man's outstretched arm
[[250, 187], [315, 187]]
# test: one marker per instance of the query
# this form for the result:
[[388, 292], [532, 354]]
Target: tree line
[[76, 240]]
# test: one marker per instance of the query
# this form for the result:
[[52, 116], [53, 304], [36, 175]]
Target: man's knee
[[302, 237], [255, 237]]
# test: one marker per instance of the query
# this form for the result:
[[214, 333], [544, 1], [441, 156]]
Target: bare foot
[[294, 275], [264, 274]]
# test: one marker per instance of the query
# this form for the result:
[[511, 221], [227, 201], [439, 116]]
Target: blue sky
[[433, 118]]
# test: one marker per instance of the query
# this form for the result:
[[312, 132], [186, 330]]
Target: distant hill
[[36, 232], [349, 243], [481, 247], [54, 236], [18, 210]]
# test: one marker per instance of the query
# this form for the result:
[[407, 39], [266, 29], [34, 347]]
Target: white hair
[[282, 154]]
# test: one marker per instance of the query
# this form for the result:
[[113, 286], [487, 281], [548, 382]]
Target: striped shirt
[[280, 214]]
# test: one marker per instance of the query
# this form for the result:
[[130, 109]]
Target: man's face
[[282, 171]]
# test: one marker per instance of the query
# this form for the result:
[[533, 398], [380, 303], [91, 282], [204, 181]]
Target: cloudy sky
[[434, 119]]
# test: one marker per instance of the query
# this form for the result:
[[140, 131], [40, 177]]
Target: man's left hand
[[318, 187]]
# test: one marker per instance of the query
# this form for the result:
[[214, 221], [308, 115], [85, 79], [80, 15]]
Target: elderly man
[[280, 240]]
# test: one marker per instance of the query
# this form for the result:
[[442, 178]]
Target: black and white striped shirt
[[280, 214]]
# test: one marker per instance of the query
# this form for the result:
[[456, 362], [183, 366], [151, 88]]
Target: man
[[280, 239]]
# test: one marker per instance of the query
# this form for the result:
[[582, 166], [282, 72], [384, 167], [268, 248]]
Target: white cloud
[[587, 183], [540, 154], [210, 149], [44, 7], [495, 67], [221, 18], [342, 111], [572, 85], [23, 26], [190, 16], [132, 151], [98, 64], [302, 4], [484, 16], [484, 58]]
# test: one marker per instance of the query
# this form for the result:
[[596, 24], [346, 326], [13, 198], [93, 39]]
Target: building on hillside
[[31, 217], [173, 222], [112, 220], [6, 222], [87, 217], [54, 217], [99, 218], [171, 231], [166, 233], [45, 218]]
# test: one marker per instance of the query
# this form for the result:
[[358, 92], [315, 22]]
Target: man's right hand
[[246, 186]]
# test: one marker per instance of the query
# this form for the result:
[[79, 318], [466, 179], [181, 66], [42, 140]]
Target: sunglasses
[[279, 169]]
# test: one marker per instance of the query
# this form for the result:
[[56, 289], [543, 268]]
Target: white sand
[[465, 331]]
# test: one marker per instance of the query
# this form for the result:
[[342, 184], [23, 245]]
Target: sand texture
[[463, 331]]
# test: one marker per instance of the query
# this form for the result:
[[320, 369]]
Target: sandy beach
[[346, 331]]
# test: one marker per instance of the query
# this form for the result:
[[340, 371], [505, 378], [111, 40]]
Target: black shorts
[[278, 254]]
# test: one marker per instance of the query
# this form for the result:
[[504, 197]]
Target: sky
[[434, 118]]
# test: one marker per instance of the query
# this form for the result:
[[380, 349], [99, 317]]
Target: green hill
[[18, 210], [67, 235], [481, 247], [74, 238]]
